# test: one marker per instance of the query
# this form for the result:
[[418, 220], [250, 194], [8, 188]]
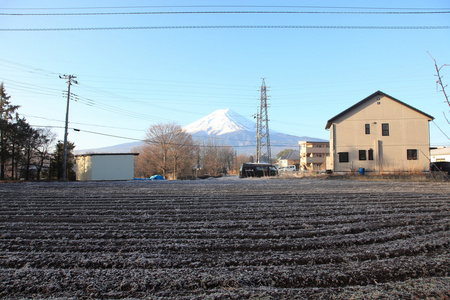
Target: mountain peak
[[228, 127], [220, 122]]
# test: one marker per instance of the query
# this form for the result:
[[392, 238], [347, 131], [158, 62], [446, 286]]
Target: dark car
[[257, 170], [443, 166]]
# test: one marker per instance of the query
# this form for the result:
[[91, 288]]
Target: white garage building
[[105, 166]]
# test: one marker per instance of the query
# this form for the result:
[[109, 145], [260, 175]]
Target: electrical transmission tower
[[262, 128]]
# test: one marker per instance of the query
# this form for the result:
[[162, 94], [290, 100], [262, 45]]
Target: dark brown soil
[[225, 238]]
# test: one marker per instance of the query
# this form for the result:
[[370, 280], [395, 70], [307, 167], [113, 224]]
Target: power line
[[33, 69], [441, 130], [225, 6], [227, 12], [87, 124], [231, 27], [149, 141], [178, 144]]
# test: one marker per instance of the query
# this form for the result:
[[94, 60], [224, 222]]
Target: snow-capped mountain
[[230, 128], [220, 122], [225, 127]]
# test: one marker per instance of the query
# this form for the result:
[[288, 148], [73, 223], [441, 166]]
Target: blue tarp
[[154, 177]]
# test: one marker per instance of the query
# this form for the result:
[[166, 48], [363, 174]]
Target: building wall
[[408, 129], [83, 168], [287, 162], [313, 154], [105, 167], [114, 167]]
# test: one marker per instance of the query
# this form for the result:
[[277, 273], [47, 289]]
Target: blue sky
[[131, 79]]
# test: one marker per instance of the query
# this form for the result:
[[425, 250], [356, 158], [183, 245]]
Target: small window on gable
[[411, 154], [385, 129], [367, 127], [362, 155], [343, 157], [370, 154]]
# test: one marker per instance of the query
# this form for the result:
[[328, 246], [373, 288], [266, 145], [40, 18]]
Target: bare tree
[[209, 158], [439, 84], [170, 149], [160, 137], [182, 153], [44, 142], [216, 158], [239, 160], [143, 166]]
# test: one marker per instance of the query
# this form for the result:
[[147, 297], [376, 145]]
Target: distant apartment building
[[313, 155]]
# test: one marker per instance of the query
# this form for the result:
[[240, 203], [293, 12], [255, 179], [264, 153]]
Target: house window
[[367, 128], [411, 154], [385, 129], [362, 155], [370, 154], [343, 157]]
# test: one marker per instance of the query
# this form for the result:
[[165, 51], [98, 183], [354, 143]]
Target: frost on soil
[[222, 239]]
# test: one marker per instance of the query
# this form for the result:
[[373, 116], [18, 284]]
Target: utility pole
[[70, 78], [263, 138]]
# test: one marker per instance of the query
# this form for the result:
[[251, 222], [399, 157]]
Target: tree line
[[172, 152], [25, 152]]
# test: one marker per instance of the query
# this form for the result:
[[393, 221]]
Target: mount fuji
[[220, 122], [230, 128], [225, 127]]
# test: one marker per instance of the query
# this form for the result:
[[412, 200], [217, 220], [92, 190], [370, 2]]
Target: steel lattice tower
[[262, 131]]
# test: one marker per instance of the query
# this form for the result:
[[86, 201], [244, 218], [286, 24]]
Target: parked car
[[257, 170], [443, 166], [290, 168]]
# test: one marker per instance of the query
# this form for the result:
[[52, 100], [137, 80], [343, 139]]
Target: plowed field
[[222, 239]]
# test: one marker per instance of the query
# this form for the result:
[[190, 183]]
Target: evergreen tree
[[17, 139], [7, 115], [56, 164], [29, 145]]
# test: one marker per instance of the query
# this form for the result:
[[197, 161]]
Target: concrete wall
[[408, 129]]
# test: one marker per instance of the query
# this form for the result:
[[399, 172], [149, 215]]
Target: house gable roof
[[332, 120], [293, 155]]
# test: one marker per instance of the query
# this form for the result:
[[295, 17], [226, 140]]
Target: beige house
[[313, 155], [290, 159], [379, 134], [105, 166]]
